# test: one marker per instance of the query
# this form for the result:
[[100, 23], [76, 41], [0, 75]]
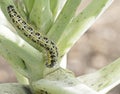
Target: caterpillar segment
[[33, 35]]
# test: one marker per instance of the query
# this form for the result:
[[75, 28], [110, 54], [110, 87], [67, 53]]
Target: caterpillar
[[33, 35]]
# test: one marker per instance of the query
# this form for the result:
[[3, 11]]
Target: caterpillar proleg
[[33, 35]]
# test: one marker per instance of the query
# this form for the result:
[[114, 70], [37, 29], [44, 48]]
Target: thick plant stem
[[65, 31], [62, 82], [27, 60], [14, 88]]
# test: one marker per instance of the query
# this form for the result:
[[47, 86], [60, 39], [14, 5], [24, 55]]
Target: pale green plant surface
[[56, 19], [104, 79]]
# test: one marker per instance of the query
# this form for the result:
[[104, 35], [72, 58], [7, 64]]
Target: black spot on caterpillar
[[36, 37]]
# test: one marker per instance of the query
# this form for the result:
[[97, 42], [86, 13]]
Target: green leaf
[[66, 15], [56, 7], [28, 5], [79, 25], [41, 15]]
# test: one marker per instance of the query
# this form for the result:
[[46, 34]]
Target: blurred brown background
[[98, 47]]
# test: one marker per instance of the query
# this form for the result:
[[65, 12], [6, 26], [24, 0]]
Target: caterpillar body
[[33, 35]]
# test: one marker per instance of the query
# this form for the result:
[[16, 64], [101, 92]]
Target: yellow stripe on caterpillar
[[36, 37]]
